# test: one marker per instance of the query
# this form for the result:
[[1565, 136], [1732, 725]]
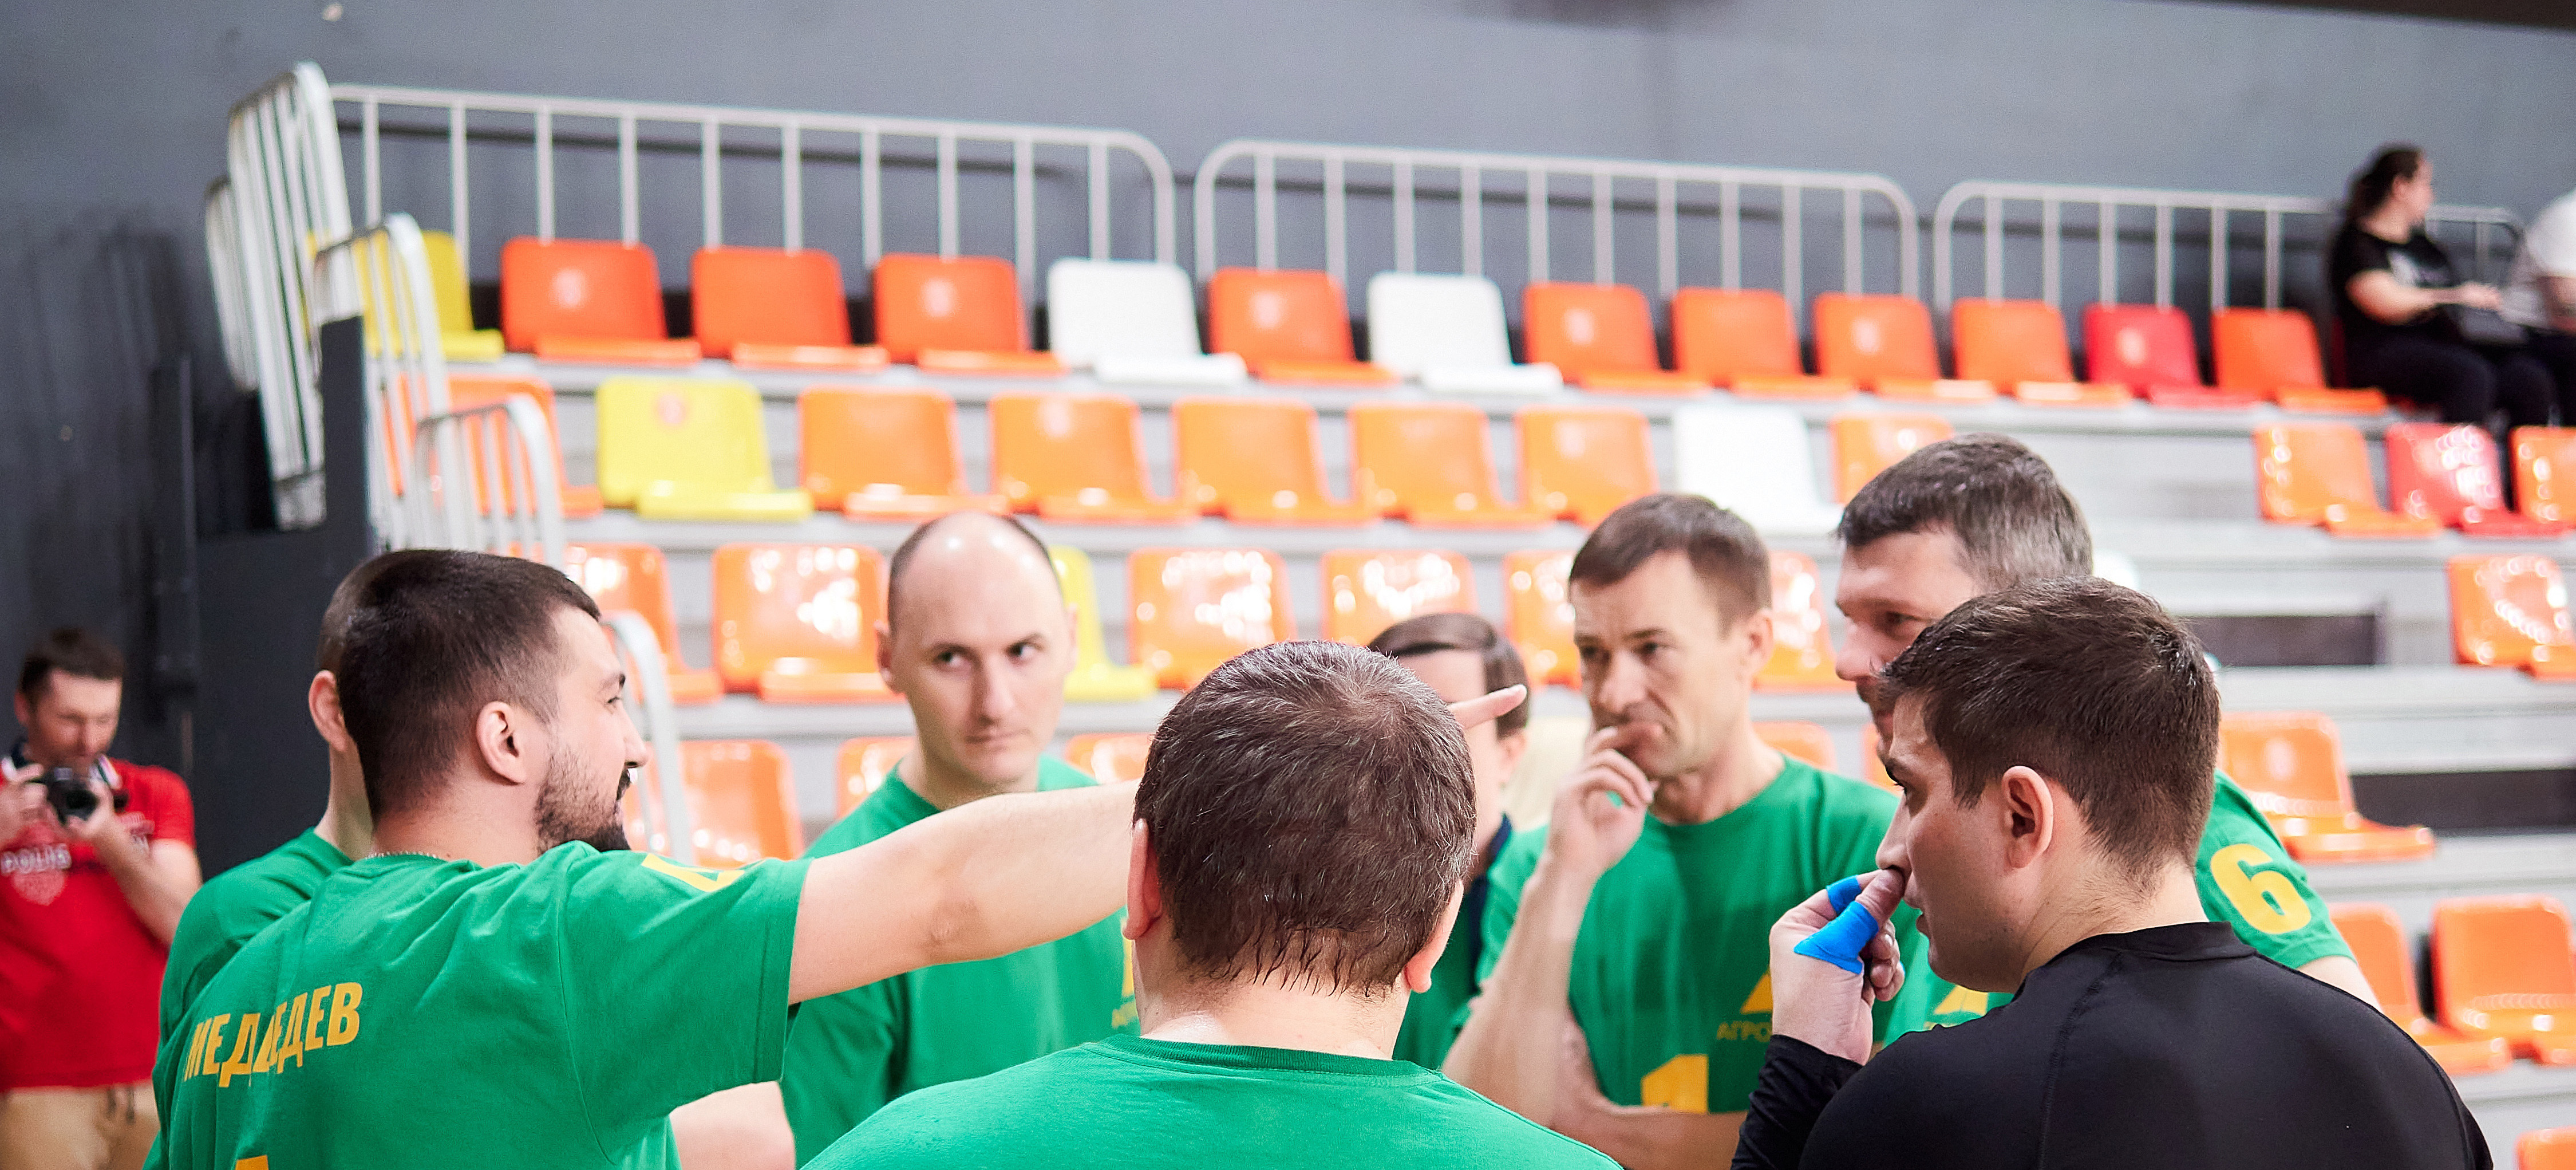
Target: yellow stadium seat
[[689, 449], [458, 338], [1095, 679], [1111, 759], [865, 765]]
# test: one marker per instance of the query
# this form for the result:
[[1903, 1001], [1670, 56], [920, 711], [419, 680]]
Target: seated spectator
[[97, 857], [1460, 656], [2052, 742], [2391, 285], [1306, 820], [2540, 295], [978, 641]]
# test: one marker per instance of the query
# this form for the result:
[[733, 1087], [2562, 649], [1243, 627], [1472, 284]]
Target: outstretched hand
[[1832, 956], [1488, 707]]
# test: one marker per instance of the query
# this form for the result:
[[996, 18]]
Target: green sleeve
[[840, 1064], [674, 980], [2248, 881], [1510, 872]]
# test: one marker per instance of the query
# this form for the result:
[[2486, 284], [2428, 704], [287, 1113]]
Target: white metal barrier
[[224, 263], [2315, 219], [288, 197], [801, 135], [663, 788], [1677, 189]]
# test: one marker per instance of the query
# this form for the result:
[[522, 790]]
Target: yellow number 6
[[2265, 897]]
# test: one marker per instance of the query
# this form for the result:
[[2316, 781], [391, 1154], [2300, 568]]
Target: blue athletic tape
[[1842, 940]]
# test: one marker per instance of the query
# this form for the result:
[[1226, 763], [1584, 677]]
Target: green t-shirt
[[2246, 880], [1432, 1019], [1132, 1102], [1671, 980], [548, 1014], [849, 1054], [236, 905]]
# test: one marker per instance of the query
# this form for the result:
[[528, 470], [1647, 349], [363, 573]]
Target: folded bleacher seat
[[1288, 326], [2291, 764], [1095, 679], [1256, 461], [1884, 343], [2319, 473], [796, 623], [1745, 340], [587, 301], [1582, 462], [1367, 590], [632, 577], [1192, 608], [689, 449], [1430, 463], [1600, 337], [2512, 611], [1537, 616], [884, 453], [2150, 350], [1131, 322], [2448, 474], [1075, 457], [956, 315], [1448, 333], [2503, 967], [2272, 353], [2378, 943], [1755, 461], [1802, 653], [770, 308], [1866, 444], [2020, 346], [863, 765]]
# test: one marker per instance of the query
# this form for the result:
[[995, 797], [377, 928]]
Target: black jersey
[[2416, 263], [2171, 1047]]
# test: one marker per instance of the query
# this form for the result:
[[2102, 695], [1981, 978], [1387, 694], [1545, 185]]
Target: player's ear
[[1144, 886], [1416, 975], [322, 702], [2033, 813], [1759, 634], [885, 655], [501, 740]]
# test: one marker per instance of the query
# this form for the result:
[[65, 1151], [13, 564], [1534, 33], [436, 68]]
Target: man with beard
[[490, 987]]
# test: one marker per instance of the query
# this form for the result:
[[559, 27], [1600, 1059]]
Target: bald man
[[978, 640]]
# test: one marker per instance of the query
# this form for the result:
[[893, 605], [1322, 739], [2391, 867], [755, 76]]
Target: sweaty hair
[[1432, 633], [1311, 809], [432, 636], [1732, 563], [73, 651], [2371, 184], [902, 558], [2014, 523], [2089, 684]]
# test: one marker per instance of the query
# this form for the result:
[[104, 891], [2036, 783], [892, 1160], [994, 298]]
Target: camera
[[69, 792]]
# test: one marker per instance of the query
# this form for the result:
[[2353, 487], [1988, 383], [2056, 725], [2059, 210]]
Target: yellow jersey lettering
[[267, 1058], [1754, 1030], [291, 1022], [245, 1043], [214, 1046], [705, 881], [2264, 897], [315, 1015], [1681, 1085], [196, 1051], [258, 1163], [344, 1012]]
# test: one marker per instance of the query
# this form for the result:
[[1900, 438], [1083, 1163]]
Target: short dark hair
[[73, 651], [1311, 810], [2088, 683], [2013, 520], [1431, 633], [902, 558], [1732, 563], [433, 635], [336, 615], [2370, 185]]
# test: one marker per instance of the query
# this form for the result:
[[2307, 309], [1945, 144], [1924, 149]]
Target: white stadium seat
[[1447, 332], [1131, 322], [1754, 461]]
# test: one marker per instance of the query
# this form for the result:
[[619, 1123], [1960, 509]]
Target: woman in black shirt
[[2390, 281]]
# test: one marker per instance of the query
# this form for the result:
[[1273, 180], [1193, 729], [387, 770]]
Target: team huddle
[[1310, 935]]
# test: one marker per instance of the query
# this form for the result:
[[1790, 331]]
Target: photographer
[[97, 857]]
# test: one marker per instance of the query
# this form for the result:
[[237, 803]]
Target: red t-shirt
[[80, 977]]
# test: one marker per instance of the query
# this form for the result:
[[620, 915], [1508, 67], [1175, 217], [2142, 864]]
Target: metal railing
[[798, 133], [662, 791], [2278, 215], [224, 264], [1677, 190], [288, 197], [497, 494]]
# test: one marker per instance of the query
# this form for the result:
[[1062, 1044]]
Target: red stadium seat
[[1430, 463], [1190, 609], [1744, 340], [1287, 326], [796, 623], [632, 577], [1866, 444], [957, 315], [864, 766], [1601, 336], [1367, 590], [1075, 457], [2319, 473], [1806, 741], [1538, 618], [2512, 611], [2378, 942], [2020, 346], [2272, 354], [1110, 759], [1582, 462], [2544, 469], [768, 308], [1802, 653], [2291, 764], [586, 301], [2504, 967], [2447, 474], [1256, 461], [1884, 343], [884, 454]]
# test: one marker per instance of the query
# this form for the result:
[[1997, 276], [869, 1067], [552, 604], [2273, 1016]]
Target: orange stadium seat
[[2504, 967], [2512, 611], [957, 315], [470, 390], [1581, 462], [1744, 340], [1192, 608], [2291, 764], [796, 623], [1255, 461], [1884, 344], [2020, 346], [1075, 457], [769, 308], [586, 301], [2546, 1149], [1806, 741], [2319, 473], [864, 766], [1538, 618], [2272, 354], [1367, 590], [1802, 654], [742, 802], [1430, 463], [1112, 758], [689, 449], [2447, 474], [884, 453], [2151, 351], [2544, 471], [1601, 336], [2378, 942], [1872, 768], [632, 577], [1866, 444], [1288, 326]]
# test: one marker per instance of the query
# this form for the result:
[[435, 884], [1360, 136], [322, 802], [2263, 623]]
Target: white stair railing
[[288, 198], [224, 264]]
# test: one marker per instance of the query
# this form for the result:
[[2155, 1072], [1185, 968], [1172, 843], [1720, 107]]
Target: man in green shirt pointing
[[978, 641], [1303, 829], [1980, 513], [490, 987]]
